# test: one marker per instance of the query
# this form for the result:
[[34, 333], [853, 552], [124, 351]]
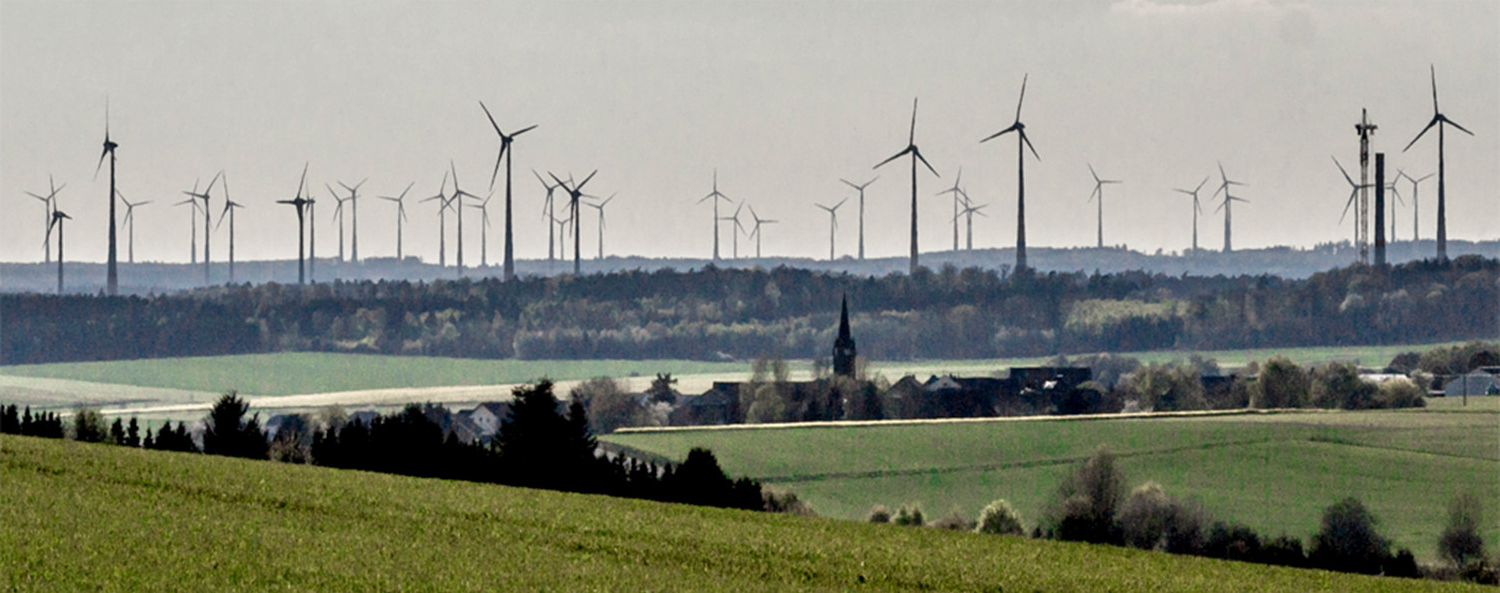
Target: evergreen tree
[[117, 432], [10, 420], [226, 432], [26, 422], [149, 443], [133, 433]]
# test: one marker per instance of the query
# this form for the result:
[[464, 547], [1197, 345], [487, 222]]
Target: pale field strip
[[981, 420]]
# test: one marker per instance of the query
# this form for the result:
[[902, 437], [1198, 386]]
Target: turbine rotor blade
[[894, 157]]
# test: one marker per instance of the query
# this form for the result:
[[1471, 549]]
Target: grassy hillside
[[93, 517], [1274, 472]]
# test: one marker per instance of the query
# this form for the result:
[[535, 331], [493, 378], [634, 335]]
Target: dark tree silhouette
[[227, 432]]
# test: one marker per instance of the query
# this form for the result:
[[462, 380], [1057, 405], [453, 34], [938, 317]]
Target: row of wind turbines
[[304, 204]]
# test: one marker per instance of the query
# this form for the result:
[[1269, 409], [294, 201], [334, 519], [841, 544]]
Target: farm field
[[1274, 472], [96, 517]]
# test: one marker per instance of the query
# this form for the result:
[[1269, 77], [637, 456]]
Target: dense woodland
[[740, 314]]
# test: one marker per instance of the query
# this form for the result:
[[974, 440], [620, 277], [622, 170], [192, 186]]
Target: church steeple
[[844, 351]]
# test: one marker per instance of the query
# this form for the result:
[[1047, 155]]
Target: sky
[[782, 99]]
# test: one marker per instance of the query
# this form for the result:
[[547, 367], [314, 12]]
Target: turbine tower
[[1395, 199], [1020, 130], [193, 227], [1099, 194], [960, 200], [353, 200], [505, 152], [48, 203], [735, 230], [1197, 209], [861, 189], [550, 214], [756, 229], [458, 198], [442, 221], [484, 218], [400, 215], [57, 220], [916, 155], [1415, 206], [206, 221], [715, 196], [129, 222], [1441, 121], [1364, 128], [300, 204], [229, 208], [1226, 205], [833, 223], [338, 216], [574, 193], [112, 274], [1354, 192], [968, 213]]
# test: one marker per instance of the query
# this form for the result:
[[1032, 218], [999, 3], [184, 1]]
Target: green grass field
[[96, 517], [1275, 472], [292, 373]]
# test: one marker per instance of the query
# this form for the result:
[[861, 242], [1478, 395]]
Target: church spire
[[844, 351]]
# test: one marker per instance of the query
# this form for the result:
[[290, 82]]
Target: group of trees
[[88, 425], [712, 313], [1093, 505]]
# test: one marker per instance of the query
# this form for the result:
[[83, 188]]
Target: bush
[[954, 521], [1283, 551], [1232, 541], [1144, 516], [1184, 528], [1338, 385], [909, 515], [1281, 384], [999, 518], [1460, 543], [1399, 393], [879, 514], [89, 426], [785, 501], [1087, 500], [1347, 540], [1403, 564]]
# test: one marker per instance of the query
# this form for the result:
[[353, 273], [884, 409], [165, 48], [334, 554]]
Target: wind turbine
[[735, 230], [193, 220], [112, 275], [300, 203], [1354, 191], [1225, 205], [1197, 209], [229, 207], [353, 220], [549, 214], [57, 218], [833, 223], [959, 201], [574, 193], [968, 213], [484, 217], [458, 199], [1020, 130], [756, 230], [400, 215], [600, 208], [443, 206], [205, 196], [861, 189], [1438, 119], [338, 216], [916, 155], [1099, 193], [1396, 194], [505, 152], [129, 222], [715, 196], [48, 203], [1415, 207]]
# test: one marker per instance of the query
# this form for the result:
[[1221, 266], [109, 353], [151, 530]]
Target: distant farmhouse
[[1480, 381]]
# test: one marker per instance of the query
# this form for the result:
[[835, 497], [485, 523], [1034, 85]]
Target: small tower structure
[[844, 351]]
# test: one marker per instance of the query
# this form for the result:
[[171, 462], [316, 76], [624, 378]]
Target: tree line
[[1092, 504], [715, 313]]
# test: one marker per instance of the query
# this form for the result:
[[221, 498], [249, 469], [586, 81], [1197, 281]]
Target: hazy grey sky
[[783, 98]]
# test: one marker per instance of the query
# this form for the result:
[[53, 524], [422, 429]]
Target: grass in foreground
[[1275, 473], [94, 517]]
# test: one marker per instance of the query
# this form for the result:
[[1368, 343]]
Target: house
[[484, 420], [719, 405], [1477, 382]]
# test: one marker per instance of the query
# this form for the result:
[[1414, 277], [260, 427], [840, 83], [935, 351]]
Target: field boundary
[[987, 419]]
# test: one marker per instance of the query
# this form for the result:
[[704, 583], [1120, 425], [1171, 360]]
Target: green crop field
[[95, 517], [1275, 472], [318, 372]]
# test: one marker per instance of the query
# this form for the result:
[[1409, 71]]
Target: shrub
[[1338, 385], [785, 501], [1403, 564], [1399, 393], [954, 521], [1000, 518], [909, 515], [1088, 499], [1347, 540], [1281, 384], [1184, 528], [1232, 541], [1283, 551], [879, 514], [89, 426], [1460, 543], [1143, 517]]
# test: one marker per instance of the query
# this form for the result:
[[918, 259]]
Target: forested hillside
[[741, 314]]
